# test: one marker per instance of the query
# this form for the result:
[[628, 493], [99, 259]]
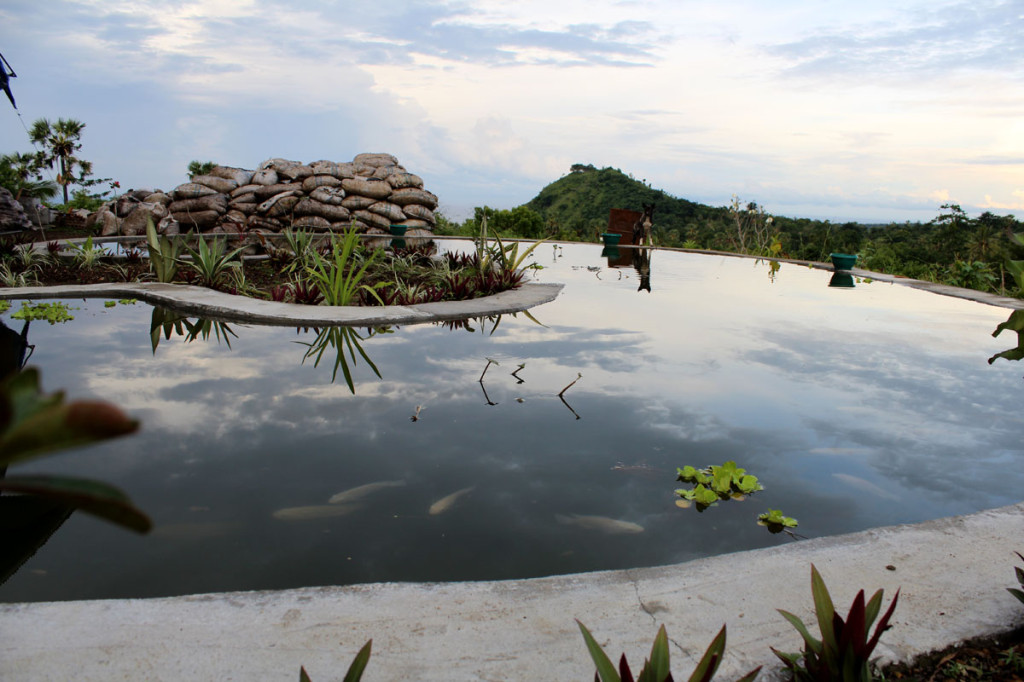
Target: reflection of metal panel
[[621, 221], [619, 259]]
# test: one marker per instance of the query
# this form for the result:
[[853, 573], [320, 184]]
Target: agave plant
[[163, 254], [656, 668], [211, 263], [844, 651]]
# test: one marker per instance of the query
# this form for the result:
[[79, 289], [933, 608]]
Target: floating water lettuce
[[748, 484], [690, 475], [716, 482], [774, 517], [51, 312]]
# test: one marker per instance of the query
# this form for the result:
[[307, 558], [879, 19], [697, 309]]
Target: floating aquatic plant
[[716, 482], [775, 521]]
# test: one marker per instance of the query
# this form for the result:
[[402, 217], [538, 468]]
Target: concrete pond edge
[[217, 305], [951, 573]]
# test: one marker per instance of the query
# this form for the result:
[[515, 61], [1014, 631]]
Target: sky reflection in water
[[855, 407]]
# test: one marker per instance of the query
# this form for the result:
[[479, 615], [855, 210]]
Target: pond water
[[855, 408]]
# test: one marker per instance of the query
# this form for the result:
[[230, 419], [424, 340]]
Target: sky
[[875, 111]]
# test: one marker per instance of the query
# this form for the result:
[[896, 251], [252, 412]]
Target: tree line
[[983, 252]]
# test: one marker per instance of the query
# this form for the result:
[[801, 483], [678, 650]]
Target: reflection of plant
[[1019, 594], [656, 668], [844, 650], [33, 424], [715, 483], [341, 339], [166, 322], [355, 670]]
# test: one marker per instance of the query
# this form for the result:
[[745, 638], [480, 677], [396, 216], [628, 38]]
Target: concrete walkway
[[952, 573]]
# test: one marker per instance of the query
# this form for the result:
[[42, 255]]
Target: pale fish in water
[[445, 503], [193, 531], [317, 511], [601, 523], [358, 493], [865, 486]]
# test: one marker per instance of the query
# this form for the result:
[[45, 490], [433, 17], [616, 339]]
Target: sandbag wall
[[373, 191]]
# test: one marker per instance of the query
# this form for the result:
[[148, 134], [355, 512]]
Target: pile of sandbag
[[373, 192], [129, 213]]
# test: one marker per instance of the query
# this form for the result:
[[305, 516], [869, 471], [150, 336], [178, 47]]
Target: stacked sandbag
[[129, 213], [373, 192]]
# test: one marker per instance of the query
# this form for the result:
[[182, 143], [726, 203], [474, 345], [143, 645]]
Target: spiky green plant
[[163, 254], [656, 668], [86, 255], [844, 651], [212, 262], [339, 278], [355, 670]]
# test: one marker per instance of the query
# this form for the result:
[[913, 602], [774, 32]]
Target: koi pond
[[530, 444]]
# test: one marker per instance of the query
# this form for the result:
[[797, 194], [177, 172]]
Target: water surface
[[855, 408]]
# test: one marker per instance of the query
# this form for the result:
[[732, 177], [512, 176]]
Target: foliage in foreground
[[355, 670], [1019, 594], [844, 650], [33, 424], [656, 668]]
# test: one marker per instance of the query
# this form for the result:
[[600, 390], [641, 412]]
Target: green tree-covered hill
[[577, 205]]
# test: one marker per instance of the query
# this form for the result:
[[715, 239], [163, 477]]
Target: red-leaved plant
[[844, 650]]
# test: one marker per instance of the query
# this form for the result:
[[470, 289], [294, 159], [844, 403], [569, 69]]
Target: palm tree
[[20, 173], [61, 141]]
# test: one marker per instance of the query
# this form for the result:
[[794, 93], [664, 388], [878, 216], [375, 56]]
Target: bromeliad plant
[[656, 668], [844, 651]]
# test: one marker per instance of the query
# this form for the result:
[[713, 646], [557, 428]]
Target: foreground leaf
[[93, 497]]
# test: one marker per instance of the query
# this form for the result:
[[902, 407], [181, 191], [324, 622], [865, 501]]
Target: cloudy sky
[[872, 111]]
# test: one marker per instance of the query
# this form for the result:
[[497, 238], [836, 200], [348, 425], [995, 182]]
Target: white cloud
[[489, 100]]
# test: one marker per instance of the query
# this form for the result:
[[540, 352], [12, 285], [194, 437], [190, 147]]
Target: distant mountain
[[578, 203]]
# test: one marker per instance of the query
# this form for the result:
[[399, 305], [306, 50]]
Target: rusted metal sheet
[[621, 221]]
